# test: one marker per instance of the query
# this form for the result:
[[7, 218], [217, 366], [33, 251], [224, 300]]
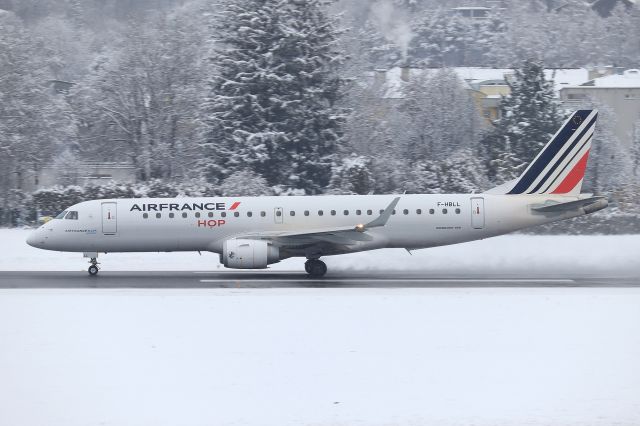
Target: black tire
[[317, 268], [93, 270], [307, 266]]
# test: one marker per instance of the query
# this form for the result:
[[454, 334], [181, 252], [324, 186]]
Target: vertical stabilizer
[[559, 168]]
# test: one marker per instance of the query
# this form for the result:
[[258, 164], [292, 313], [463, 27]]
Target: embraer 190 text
[[253, 232]]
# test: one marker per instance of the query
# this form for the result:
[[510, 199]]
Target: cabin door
[[109, 218], [278, 215], [477, 213]]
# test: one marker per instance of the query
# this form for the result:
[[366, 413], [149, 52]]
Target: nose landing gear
[[315, 268], [93, 269]]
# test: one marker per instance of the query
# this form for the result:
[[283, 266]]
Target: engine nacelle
[[248, 254]]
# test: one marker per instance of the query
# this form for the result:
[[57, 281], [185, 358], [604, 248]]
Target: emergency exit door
[[477, 213], [109, 218]]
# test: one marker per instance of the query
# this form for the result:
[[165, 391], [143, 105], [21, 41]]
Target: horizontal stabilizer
[[589, 205]]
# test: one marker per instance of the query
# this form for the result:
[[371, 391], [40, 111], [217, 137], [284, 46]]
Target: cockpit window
[[61, 215], [73, 215]]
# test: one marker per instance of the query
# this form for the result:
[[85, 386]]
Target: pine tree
[[272, 99], [529, 117]]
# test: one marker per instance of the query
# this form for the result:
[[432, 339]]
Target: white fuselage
[[204, 224]]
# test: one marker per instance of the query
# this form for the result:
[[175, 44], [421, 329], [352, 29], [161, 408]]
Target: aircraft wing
[[345, 235]]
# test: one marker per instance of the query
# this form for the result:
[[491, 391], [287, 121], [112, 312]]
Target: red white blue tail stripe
[[560, 166]]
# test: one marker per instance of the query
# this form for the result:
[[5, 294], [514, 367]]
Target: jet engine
[[248, 254]]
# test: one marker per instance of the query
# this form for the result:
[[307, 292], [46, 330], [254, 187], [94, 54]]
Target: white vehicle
[[253, 232]]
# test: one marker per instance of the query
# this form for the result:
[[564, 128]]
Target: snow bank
[[617, 254], [302, 357]]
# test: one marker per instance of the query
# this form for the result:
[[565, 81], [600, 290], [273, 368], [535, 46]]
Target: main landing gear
[[93, 269], [315, 268]]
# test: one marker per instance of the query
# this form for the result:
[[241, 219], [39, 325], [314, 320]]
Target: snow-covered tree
[[35, 124], [353, 175], [272, 94], [140, 103], [459, 172], [549, 34], [610, 167], [244, 183], [635, 151], [443, 39], [441, 114], [529, 117]]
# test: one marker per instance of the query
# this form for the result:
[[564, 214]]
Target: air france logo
[[159, 207]]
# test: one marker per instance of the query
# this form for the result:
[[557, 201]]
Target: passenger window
[[369, 212], [61, 215], [431, 211], [158, 215], [381, 211], [346, 212], [333, 212], [394, 211], [320, 212], [306, 212], [444, 211], [418, 211], [223, 214], [171, 215], [249, 214], [145, 215], [210, 214], [292, 213], [184, 215], [278, 213], [263, 214], [236, 214], [457, 211], [405, 211], [197, 214], [73, 215], [358, 212]]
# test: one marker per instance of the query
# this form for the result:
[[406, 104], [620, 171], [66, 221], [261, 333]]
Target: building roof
[[474, 77], [628, 79]]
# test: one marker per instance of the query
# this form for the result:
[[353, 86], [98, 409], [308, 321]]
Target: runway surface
[[295, 279]]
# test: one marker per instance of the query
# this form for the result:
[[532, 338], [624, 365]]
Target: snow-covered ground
[[297, 357], [616, 254], [328, 357]]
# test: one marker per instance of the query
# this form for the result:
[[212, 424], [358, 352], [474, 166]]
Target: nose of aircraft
[[35, 239]]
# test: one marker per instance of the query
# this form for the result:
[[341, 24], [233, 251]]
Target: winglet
[[384, 217]]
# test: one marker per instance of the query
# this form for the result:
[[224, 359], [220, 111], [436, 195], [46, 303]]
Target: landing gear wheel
[[93, 270], [315, 268]]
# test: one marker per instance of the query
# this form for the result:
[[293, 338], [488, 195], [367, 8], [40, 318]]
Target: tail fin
[[559, 167]]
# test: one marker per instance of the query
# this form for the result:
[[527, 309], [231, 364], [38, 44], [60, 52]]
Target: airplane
[[254, 232]]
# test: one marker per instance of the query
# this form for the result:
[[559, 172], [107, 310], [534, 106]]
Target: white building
[[620, 92]]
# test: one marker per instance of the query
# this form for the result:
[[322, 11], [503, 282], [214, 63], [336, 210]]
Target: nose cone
[[35, 239]]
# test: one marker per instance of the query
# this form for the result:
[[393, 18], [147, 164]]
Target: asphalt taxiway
[[295, 279]]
